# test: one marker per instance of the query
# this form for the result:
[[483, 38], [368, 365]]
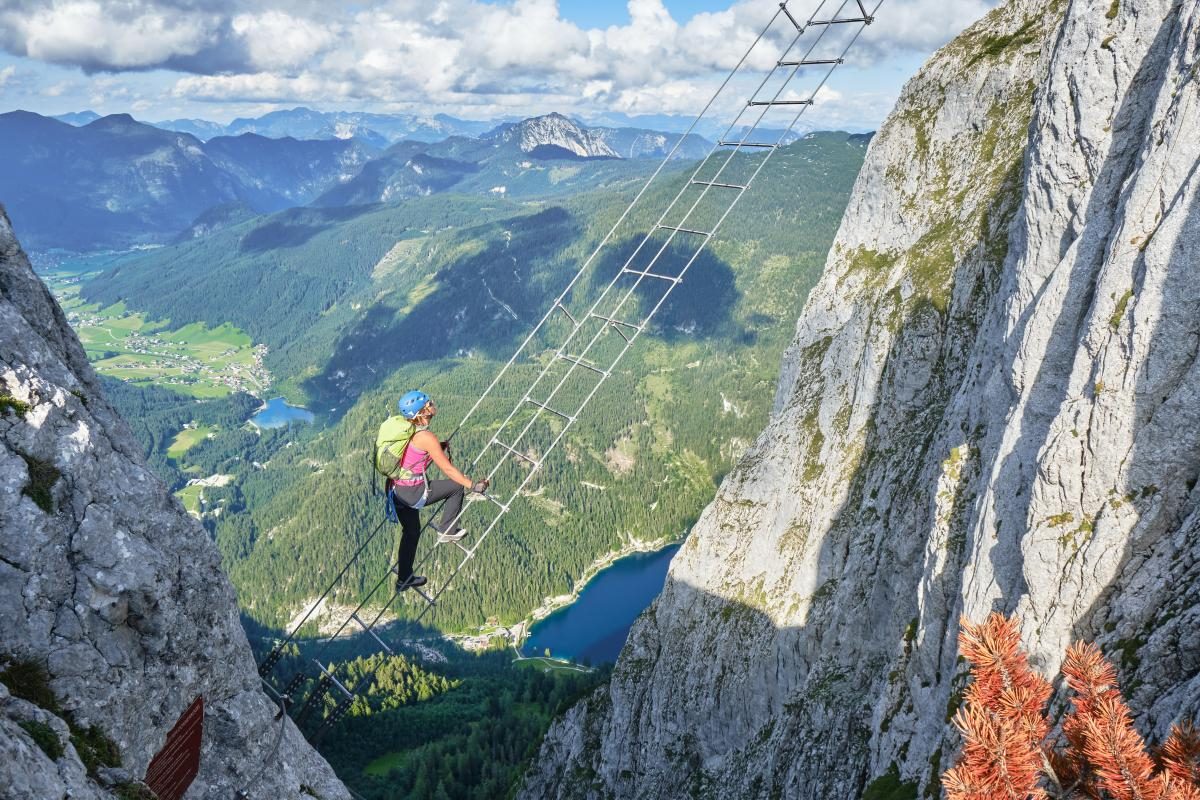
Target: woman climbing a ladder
[[404, 449]]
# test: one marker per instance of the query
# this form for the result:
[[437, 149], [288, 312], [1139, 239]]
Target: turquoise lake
[[277, 413], [595, 626]]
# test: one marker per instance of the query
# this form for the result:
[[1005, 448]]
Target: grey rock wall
[[992, 402], [110, 585]]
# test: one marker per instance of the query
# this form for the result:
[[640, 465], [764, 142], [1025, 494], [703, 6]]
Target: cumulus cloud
[[444, 52], [6, 75], [117, 36]]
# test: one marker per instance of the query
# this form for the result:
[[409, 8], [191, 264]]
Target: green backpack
[[394, 435]]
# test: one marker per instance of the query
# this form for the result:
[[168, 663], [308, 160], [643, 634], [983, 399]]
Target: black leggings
[[410, 518]]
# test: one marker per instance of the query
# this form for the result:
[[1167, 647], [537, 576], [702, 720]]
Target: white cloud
[[276, 40], [448, 52], [6, 75], [93, 35]]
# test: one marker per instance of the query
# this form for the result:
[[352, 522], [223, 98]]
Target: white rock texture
[[992, 402], [115, 590], [556, 130]]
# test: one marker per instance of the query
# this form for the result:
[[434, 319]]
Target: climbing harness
[[611, 322]]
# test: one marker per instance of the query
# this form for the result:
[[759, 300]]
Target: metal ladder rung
[[333, 679], [724, 143], [788, 14], [545, 407], [620, 322], [864, 20], [517, 453], [367, 629], [810, 62], [737, 186], [653, 275], [779, 103], [580, 363], [563, 309], [617, 324], [684, 230], [503, 507]]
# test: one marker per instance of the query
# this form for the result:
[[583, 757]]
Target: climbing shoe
[[451, 536], [411, 582]]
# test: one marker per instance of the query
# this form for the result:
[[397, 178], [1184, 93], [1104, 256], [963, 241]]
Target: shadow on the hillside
[[700, 307], [295, 227], [486, 301], [480, 304]]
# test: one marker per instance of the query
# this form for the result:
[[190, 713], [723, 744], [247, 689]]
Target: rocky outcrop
[[992, 402], [556, 131], [108, 586]]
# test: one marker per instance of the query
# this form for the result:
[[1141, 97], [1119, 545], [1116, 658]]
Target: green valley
[[194, 359], [344, 308], [359, 304]]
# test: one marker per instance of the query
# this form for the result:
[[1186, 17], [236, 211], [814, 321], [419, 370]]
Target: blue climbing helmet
[[411, 403]]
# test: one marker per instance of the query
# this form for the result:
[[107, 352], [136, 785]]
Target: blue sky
[[599, 14], [480, 59]]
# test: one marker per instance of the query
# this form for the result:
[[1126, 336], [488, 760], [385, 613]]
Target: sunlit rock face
[[110, 586], [992, 402]]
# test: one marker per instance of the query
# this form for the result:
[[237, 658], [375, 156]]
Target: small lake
[[277, 413], [595, 626]]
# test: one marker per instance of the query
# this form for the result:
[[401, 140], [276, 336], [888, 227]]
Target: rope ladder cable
[[611, 319]]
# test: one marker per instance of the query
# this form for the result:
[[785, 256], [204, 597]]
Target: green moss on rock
[[44, 737], [889, 787], [1118, 314], [10, 403], [42, 477], [30, 681]]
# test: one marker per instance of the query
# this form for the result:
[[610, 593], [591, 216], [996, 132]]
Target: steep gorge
[[992, 402], [112, 591]]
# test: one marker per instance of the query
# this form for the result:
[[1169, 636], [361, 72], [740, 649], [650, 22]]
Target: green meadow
[[193, 360]]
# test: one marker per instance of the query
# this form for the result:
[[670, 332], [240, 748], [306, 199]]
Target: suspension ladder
[[579, 342]]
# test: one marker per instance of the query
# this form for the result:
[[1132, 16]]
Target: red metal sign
[[174, 768]]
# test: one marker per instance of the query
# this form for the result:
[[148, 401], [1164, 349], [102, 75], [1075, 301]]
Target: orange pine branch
[[1002, 720], [1180, 754], [1116, 751], [1006, 754]]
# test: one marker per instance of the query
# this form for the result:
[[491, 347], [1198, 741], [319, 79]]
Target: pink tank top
[[415, 461]]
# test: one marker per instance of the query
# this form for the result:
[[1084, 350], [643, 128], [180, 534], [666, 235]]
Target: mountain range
[[305, 123], [114, 182], [382, 130]]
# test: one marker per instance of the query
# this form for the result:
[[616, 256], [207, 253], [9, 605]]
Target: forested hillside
[[361, 304]]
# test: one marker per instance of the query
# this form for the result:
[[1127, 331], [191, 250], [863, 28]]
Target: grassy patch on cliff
[[30, 681], [889, 787], [10, 403], [42, 477]]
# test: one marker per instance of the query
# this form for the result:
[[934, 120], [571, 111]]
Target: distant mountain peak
[[554, 130], [113, 121]]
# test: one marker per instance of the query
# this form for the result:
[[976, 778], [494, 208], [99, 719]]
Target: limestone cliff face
[[992, 402], [107, 583]]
